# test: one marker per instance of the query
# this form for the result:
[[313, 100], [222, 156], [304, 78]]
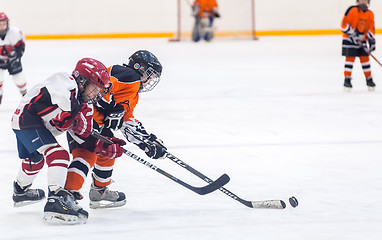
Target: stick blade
[[272, 204], [215, 185]]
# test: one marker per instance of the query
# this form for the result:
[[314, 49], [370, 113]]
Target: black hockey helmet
[[148, 66]]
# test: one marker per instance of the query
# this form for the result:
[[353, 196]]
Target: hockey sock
[[20, 82], [349, 62], [366, 66], [57, 159], [2, 72], [83, 161], [103, 169], [28, 172]]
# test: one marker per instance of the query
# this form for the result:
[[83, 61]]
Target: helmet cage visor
[[90, 92], [149, 79]]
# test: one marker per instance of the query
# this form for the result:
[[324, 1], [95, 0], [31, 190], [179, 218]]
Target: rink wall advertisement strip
[[169, 35]]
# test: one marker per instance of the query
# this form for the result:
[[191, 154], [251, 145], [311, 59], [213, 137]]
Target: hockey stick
[[275, 204], [368, 52], [272, 204], [214, 185], [375, 59]]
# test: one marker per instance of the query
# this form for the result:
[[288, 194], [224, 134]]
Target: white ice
[[270, 113]]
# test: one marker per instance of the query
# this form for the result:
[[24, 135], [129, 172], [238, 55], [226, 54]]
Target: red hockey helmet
[[4, 17], [89, 70]]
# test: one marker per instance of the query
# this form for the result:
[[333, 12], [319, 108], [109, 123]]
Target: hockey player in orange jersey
[[358, 40], [113, 112], [204, 12]]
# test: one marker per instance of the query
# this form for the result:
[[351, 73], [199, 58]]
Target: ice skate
[[370, 84], [23, 196], [102, 197], [347, 85], [61, 208]]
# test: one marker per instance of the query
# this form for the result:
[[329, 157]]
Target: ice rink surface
[[271, 113]]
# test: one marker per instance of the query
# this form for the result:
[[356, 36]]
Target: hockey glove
[[83, 121], [114, 119], [134, 131], [371, 44], [109, 150], [63, 121], [12, 56], [216, 13], [195, 10], [352, 36], [153, 147]]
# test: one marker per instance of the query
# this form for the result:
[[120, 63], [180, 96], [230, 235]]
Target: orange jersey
[[126, 84], [206, 7], [362, 22]]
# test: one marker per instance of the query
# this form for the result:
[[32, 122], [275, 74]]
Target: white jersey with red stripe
[[44, 101], [13, 37]]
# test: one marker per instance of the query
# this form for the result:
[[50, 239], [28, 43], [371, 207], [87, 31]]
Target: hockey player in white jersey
[[61, 103], [12, 46]]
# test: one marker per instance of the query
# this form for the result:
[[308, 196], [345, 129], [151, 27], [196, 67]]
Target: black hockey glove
[[353, 38], [153, 147], [216, 14], [371, 44], [114, 119], [12, 56]]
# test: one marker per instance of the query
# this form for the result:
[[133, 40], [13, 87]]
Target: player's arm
[[18, 48], [371, 32], [135, 133], [346, 25], [113, 112]]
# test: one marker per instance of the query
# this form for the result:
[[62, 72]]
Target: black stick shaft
[[214, 185]]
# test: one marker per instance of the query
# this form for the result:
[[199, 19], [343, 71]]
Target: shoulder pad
[[349, 9], [124, 74]]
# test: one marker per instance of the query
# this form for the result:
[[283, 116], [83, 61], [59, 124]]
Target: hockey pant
[[365, 62], [36, 147], [83, 161]]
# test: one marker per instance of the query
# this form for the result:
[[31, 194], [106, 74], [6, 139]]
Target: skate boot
[[347, 84], [61, 208], [370, 84], [102, 197], [76, 194], [24, 195]]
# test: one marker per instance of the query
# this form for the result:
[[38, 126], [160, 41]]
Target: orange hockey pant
[[83, 162]]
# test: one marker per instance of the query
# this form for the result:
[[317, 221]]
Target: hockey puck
[[293, 201]]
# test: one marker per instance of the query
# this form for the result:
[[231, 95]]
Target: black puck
[[293, 201]]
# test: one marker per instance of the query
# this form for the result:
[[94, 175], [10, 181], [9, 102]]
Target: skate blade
[[63, 219], [371, 89], [347, 89], [106, 204], [26, 203]]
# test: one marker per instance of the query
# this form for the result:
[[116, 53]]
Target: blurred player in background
[[115, 111], [358, 40], [204, 12], [12, 46], [61, 103]]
